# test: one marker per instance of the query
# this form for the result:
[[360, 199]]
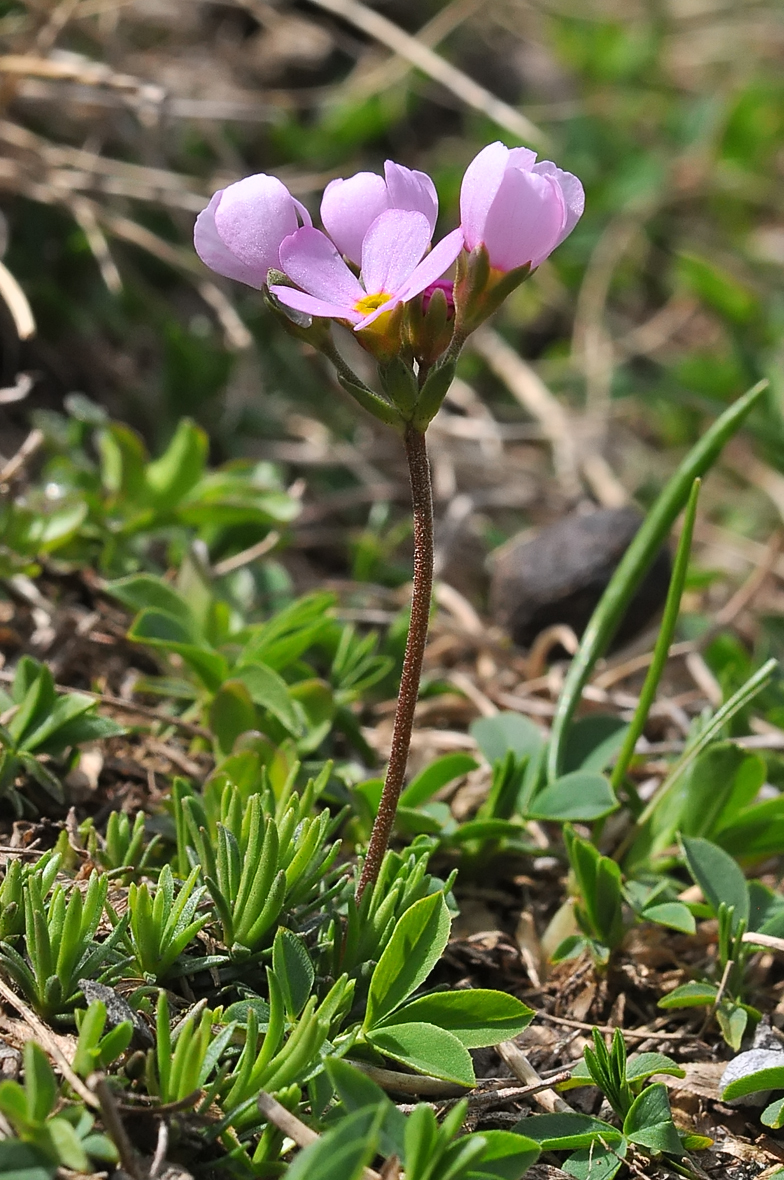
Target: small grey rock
[[752, 1061], [559, 575], [118, 1010]]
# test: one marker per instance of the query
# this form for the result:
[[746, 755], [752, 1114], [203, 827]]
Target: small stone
[[559, 575], [117, 1010]]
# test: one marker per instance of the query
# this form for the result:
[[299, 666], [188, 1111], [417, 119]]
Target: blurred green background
[[666, 302]]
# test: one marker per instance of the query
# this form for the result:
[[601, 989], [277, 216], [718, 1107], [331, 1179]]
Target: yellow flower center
[[369, 303]]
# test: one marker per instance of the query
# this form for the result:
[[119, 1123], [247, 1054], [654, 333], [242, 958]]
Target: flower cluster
[[374, 268]]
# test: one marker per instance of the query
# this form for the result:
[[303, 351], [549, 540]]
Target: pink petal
[[433, 265], [572, 191], [522, 158], [525, 220], [301, 301], [216, 255], [430, 268], [311, 261], [411, 190], [253, 217], [392, 247], [349, 208], [481, 182]]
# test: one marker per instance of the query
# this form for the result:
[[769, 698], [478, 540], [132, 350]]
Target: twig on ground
[[540, 1090], [28, 448]]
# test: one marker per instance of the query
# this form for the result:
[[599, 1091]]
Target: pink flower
[[518, 209], [445, 285], [395, 268], [349, 207], [239, 234]]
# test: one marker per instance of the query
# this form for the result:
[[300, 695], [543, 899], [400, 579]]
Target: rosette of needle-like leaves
[[12, 918], [279, 1060], [60, 943], [183, 1059], [402, 880], [162, 927], [259, 864]]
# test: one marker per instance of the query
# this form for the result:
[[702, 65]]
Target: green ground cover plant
[[230, 943]]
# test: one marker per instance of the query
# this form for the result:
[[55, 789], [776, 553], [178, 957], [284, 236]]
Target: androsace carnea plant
[[374, 270]]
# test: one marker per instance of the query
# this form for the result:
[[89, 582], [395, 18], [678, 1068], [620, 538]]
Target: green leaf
[[773, 1115], [674, 914], [435, 776], [649, 1122], [507, 1156], [356, 1091], [40, 1083], [232, 713], [506, 732], [690, 995], [596, 1162], [412, 952], [564, 1132], [753, 1083], [180, 467], [291, 963], [581, 795], [732, 1019], [592, 742], [341, 1153], [67, 1144], [635, 562], [639, 1067], [718, 876], [425, 1049], [158, 629], [145, 592], [270, 691], [24, 1161], [476, 1016]]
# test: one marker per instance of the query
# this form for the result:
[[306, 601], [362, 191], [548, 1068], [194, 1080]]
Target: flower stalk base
[[422, 505]]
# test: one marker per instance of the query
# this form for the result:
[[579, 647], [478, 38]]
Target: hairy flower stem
[[422, 504]]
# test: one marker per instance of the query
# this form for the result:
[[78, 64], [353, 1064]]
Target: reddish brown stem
[[422, 504]]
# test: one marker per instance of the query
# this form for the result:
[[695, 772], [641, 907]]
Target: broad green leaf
[[581, 795], [690, 995], [412, 952], [341, 1153], [269, 690], [753, 1083], [232, 713], [435, 776], [732, 1020], [67, 1145], [592, 742], [24, 1161], [506, 731], [291, 963], [649, 1122], [65, 710], [773, 1115], [718, 876], [756, 832], [357, 1091], [180, 467], [674, 914], [40, 1083], [507, 1156], [476, 1016], [145, 592], [596, 1162], [567, 1131], [425, 1049]]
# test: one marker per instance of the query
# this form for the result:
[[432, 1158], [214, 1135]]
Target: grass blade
[[636, 561]]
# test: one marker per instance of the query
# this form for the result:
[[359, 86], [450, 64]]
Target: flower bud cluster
[[374, 269]]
